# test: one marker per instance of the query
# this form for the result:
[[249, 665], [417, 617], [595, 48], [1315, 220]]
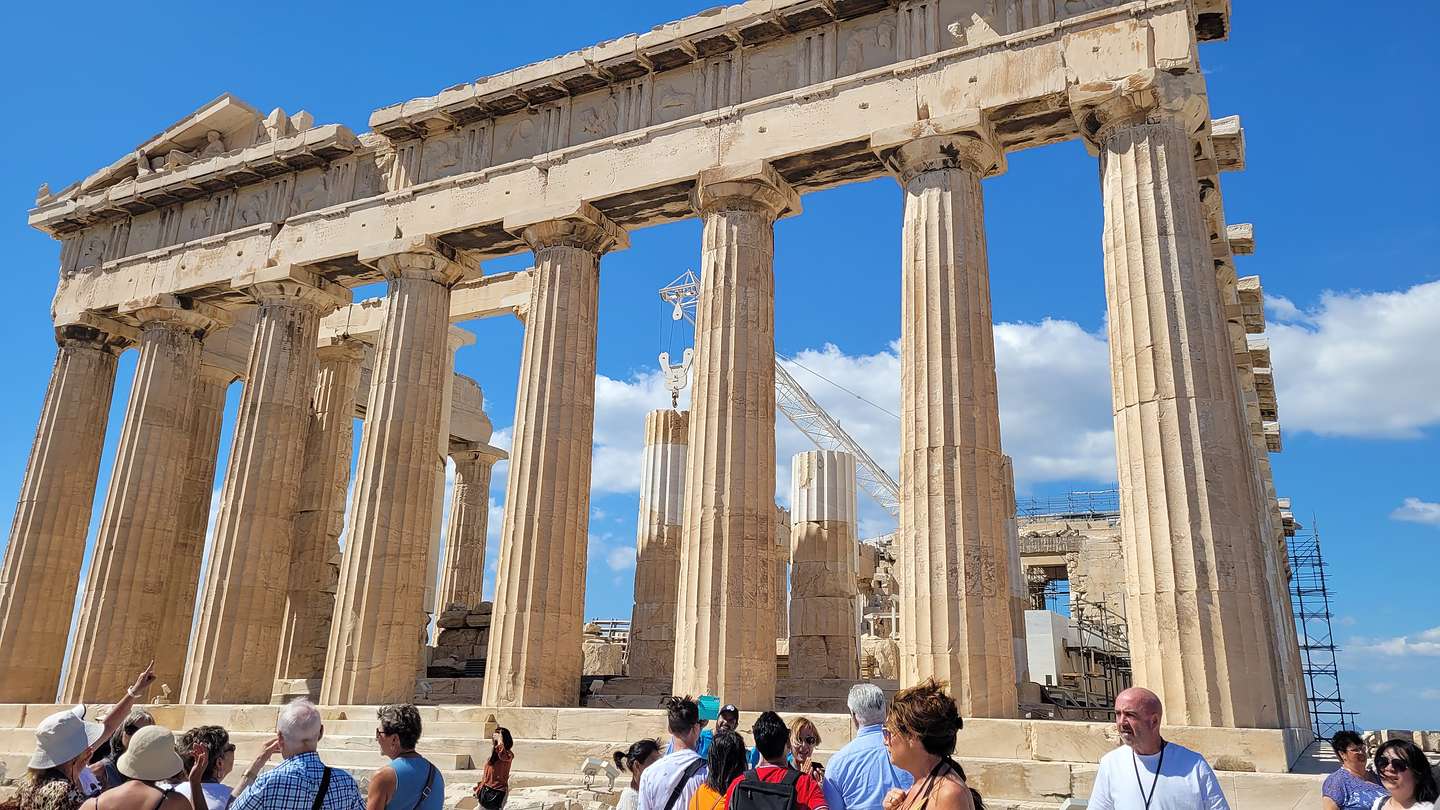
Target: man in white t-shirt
[[682, 767], [1148, 773]]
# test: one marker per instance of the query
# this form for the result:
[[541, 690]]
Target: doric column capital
[[754, 186], [476, 452], [217, 375], [96, 331], [965, 140], [340, 349], [419, 257], [289, 285], [178, 312], [571, 224], [458, 337], [1149, 96]]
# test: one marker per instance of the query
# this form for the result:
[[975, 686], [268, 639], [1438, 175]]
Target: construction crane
[[792, 400]]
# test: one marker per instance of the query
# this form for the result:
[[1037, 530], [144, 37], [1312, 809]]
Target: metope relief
[[441, 156], [673, 94], [865, 44], [769, 69], [594, 116]]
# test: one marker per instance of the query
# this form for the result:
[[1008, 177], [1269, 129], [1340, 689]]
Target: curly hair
[[929, 713], [402, 720], [215, 739]]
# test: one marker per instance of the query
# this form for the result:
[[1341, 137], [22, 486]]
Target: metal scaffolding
[[1310, 594]]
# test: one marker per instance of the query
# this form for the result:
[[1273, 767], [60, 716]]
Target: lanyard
[[1154, 783]]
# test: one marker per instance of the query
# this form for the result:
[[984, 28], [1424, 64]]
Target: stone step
[[355, 758]]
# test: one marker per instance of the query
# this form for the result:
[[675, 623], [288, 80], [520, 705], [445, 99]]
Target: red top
[[808, 795], [497, 776]]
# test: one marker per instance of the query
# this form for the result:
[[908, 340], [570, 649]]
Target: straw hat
[[64, 736], [151, 755]]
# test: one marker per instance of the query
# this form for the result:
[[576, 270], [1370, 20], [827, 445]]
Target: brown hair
[[930, 714]]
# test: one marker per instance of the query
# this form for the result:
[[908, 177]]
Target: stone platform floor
[[1016, 764]]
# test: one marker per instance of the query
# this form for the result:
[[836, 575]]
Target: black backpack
[[754, 793]]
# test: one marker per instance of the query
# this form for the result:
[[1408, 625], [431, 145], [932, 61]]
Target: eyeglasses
[[809, 741], [1400, 764]]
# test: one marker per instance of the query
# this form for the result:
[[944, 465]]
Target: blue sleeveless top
[[410, 775]]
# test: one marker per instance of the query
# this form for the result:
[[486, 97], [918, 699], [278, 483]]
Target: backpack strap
[[324, 788], [690, 770], [792, 776]]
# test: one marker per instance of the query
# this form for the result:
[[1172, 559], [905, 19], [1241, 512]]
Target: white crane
[[791, 399]]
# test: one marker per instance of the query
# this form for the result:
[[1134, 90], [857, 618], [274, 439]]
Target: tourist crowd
[[901, 757]]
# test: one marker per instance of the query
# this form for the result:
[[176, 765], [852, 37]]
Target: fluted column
[[650, 652], [953, 564], [122, 611], [320, 512], [534, 649], [1187, 511], [1019, 590], [182, 576], [462, 577], [824, 564], [237, 639], [52, 516], [373, 649], [726, 623]]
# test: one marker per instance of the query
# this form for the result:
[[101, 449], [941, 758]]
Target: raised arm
[[272, 747], [116, 718]]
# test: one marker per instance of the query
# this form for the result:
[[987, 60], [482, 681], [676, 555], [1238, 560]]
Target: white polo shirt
[[659, 780]]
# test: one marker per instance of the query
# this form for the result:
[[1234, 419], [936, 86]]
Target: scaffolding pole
[[1310, 591]]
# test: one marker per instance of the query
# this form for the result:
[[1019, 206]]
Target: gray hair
[[867, 704], [300, 723], [402, 720]]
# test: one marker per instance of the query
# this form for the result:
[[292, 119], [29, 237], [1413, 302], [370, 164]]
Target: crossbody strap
[[429, 783], [690, 770], [324, 787]]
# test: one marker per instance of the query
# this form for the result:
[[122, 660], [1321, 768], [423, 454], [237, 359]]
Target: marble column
[[726, 625], [462, 576], [952, 563], [373, 654], [320, 515], [824, 565], [651, 650], [1019, 590], [182, 580], [779, 585], [534, 654], [237, 639], [1187, 512], [121, 615], [47, 539]]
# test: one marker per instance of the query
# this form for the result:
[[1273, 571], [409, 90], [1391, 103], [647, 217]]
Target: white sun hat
[[150, 756], [64, 736]]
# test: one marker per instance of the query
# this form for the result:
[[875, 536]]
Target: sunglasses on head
[[1400, 764]]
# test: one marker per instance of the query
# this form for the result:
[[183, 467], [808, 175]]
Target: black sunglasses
[[1399, 764]]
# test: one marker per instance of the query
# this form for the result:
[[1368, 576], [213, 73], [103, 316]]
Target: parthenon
[[225, 248]]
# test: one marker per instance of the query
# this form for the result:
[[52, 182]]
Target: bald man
[[1148, 773]]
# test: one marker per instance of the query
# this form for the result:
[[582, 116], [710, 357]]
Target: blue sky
[[1339, 187]]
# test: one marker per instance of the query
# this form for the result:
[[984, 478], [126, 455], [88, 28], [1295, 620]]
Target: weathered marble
[[462, 575], [955, 619], [375, 634], [121, 615], [726, 625], [540, 583], [651, 651], [47, 538], [824, 596]]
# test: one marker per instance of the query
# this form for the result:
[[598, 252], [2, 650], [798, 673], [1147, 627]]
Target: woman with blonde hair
[[919, 732], [804, 737]]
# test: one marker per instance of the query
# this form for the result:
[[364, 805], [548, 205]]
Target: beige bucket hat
[[151, 755], [64, 736]]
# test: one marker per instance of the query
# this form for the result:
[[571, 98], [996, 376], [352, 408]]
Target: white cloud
[[1414, 510], [1426, 643], [621, 558], [1361, 364], [1280, 309], [1430, 694], [1379, 688], [1050, 437]]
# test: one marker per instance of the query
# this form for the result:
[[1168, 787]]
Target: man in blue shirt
[[296, 782], [860, 774]]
